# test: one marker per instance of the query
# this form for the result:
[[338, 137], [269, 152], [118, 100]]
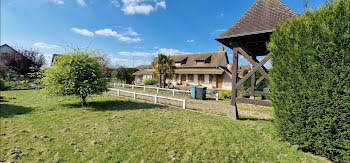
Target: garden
[[65, 113]]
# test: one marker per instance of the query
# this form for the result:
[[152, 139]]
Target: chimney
[[222, 48]]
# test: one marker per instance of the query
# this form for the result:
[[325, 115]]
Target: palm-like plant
[[163, 66]]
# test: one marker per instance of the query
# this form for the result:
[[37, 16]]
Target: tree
[[164, 66], [105, 61], [309, 80], [122, 74], [75, 73]]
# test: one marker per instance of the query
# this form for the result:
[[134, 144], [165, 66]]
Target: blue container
[[193, 91]]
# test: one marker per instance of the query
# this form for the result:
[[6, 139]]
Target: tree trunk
[[160, 80], [164, 80], [84, 101]]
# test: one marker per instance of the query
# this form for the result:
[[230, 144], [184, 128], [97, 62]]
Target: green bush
[[75, 73], [310, 80], [225, 94], [152, 81], [2, 85]]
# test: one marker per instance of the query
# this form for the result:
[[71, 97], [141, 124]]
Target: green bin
[[193, 91]]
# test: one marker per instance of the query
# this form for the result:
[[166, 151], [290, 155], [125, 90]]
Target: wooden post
[[173, 92], [233, 111], [157, 90], [252, 84], [144, 88], [184, 104], [135, 95], [155, 99], [132, 87], [118, 92]]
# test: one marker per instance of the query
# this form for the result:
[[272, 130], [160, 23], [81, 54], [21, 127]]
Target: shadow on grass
[[255, 119], [8, 110], [116, 105]]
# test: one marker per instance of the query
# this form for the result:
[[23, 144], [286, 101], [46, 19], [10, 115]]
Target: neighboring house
[[205, 69], [7, 51], [143, 67], [54, 58]]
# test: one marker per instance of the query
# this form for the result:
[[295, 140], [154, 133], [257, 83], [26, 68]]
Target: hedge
[[310, 80]]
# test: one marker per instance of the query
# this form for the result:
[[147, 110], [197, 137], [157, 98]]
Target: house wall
[[226, 82]]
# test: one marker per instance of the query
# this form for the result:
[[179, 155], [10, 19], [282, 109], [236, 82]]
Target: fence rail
[[157, 88], [156, 97]]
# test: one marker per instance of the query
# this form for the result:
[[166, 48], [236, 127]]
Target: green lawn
[[113, 129]]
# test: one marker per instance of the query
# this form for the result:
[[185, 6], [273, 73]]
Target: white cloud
[[128, 62], [109, 32], [137, 54], [218, 31], [170, 51], [132, 7], [115, 3], [60, 2], [83, 32], [221, 15], [164, 51], [190, 41], [45, 46], [161, 4], [131, 32], [81, 2]]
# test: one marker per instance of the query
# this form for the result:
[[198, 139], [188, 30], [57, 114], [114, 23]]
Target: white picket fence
[[157, 88], [216, 96], [156, 97]]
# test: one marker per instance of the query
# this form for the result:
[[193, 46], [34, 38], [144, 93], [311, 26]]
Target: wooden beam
[[252, 85], [251, 72], [254, 102], [261, 93], [233, 111], [254, 62], [260, 80]]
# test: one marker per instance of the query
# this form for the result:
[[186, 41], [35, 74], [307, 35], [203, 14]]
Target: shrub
[[75, 73], [225, 94], [2, 85], [152, 81], [310, 88]]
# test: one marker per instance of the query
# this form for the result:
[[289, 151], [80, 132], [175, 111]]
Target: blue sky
[[125, 30]]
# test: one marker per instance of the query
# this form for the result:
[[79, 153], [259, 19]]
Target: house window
[[195, 78], [206, 78]]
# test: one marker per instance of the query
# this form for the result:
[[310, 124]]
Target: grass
[[114, 129]]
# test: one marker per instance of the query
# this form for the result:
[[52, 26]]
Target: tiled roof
[[199, 71], [142, 67], [216, 58], [262, 17]]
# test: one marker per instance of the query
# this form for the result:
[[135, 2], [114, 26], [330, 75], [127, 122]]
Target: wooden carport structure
[[249, 37]]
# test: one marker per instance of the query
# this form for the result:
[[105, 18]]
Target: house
[[205, 69], [54, 58], [8, 54], [143, 67]]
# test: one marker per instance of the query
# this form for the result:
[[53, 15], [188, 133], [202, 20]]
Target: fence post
[[118, 92], [123, 85], [155, 99], [132, 87], [217, 96], [157, 90], [114, 85], [135, 95], [144, 88], [184, 104], [173, 92]]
